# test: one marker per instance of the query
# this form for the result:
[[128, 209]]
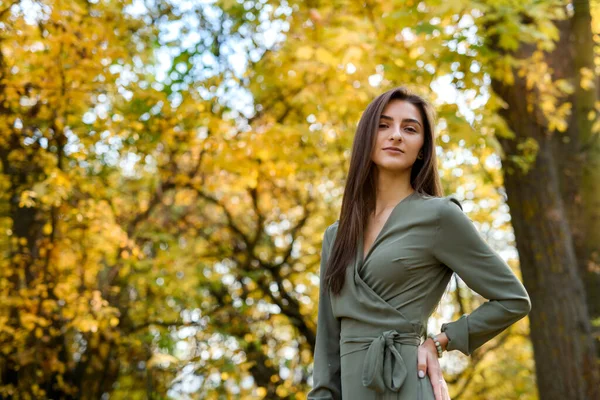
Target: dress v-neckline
[[361, 250]]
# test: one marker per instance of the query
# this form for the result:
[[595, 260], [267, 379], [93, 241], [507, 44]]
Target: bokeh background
[[168, 169]]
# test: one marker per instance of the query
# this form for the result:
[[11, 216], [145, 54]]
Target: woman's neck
[[391, 189]]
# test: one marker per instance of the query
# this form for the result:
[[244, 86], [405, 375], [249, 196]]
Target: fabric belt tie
[[384, 367]]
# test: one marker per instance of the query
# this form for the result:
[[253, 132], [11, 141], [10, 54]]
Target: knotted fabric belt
[[383, 367]]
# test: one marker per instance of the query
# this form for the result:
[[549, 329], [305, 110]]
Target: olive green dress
[[367, 337]]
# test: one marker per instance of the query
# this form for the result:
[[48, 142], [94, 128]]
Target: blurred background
[[168, 169]]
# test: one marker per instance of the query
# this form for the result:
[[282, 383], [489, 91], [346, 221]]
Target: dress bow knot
[[384, 366]]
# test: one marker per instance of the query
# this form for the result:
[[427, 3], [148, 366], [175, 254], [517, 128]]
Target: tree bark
[[538, 198], [584, 117], [577, 150]]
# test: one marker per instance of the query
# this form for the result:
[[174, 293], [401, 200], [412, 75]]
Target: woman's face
[[400, 127]]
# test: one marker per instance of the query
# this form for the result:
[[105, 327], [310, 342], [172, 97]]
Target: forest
[[168, 169]]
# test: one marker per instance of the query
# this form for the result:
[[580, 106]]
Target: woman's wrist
[[443, 339], [436, 344]]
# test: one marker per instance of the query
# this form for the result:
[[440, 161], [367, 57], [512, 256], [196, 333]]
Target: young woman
[[388, 259]]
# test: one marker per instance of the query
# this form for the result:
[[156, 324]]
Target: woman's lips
[[393, 150]]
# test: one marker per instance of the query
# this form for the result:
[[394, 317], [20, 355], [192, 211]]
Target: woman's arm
[[459, 246], [326, 372]]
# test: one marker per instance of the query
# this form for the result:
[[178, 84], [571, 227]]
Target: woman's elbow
[[523, 306], [522, 301], [518, 306]]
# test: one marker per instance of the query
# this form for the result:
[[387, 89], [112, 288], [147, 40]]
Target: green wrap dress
[[368, 335]]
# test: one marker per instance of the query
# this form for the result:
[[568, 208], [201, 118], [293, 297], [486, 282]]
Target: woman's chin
[[394, 167]]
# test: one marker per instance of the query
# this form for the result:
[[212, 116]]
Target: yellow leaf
[[354, 53], [27, 198], [325, 57], [47, 229], [304, 52], [564, 85], [596, 127], [591, 115], [182, 179], [587, 78]]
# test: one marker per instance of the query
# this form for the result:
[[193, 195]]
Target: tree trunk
[[560, 325], [584, 117], [577, 150]]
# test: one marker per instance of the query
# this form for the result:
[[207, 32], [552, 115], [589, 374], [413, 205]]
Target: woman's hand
[[427, 363]]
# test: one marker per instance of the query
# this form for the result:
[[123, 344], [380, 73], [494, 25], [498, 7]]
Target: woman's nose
[[397, 133]]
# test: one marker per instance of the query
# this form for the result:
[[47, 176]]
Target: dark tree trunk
[[560, 328], [587, 206], [577, 150], [545, 216]]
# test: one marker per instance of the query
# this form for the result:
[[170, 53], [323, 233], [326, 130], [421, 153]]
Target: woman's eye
[[409, 128]]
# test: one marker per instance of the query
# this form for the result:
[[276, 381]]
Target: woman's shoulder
[[438, 203], [435, 209], [452, 199]]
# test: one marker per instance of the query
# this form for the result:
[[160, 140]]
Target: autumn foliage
[[167, 170]]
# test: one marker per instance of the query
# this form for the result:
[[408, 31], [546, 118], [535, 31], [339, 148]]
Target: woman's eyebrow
[[405, 119]]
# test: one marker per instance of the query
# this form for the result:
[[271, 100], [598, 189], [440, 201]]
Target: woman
[[386, 262]]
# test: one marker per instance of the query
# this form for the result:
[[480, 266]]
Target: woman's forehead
[[399, 110]]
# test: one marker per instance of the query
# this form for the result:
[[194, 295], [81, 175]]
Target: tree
[[163, 232], [553, 203]]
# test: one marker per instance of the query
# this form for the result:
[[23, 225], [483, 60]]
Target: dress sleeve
[[326, 371], [461, 248]]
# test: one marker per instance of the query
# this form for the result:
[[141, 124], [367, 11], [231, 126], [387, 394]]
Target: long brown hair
[[360, 191]]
